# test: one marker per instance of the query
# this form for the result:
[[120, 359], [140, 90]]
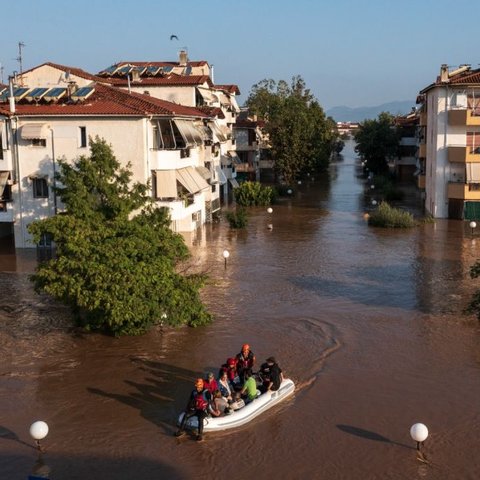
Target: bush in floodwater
[[249, 194], [237, 219], [387, 216]]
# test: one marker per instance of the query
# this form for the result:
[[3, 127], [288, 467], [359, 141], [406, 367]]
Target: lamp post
[[289, 191], [372, 187], [473, 225], [226, 254], [38, 431], [419, 433], [269, 210], [374, 202]]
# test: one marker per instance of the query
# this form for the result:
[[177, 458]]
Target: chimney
[[183, 58], [135, 75], [71, 88], [11, 98], [444, 73]]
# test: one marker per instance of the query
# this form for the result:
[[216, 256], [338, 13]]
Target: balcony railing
[[461, 154], [464, 191], [463, 117]]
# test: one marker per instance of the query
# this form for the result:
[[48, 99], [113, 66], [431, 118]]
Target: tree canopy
[[116, 257], [377, 140], [301, 137]]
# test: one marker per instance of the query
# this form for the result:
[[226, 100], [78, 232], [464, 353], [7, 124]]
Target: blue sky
[[354, 53]]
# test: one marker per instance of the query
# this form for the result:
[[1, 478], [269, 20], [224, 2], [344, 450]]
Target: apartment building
[[166, 144], [188, 83], [449, 150]]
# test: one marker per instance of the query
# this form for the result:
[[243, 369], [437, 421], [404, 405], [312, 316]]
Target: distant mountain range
[[347, 114]]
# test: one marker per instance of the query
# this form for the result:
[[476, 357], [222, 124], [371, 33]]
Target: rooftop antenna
[[1, 73], [20, 59]]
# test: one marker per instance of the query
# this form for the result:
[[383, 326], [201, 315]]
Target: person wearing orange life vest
[[245, 361], [197, 406]]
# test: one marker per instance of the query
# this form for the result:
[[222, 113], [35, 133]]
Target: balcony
[[6, 211], [463, 117], [457, 154], [463, 191], [421, 182]]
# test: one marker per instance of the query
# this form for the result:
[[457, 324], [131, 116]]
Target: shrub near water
[[387, 216], [237, 219], [250, 194]]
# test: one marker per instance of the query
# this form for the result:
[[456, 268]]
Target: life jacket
[[245, 363], [201, 401]]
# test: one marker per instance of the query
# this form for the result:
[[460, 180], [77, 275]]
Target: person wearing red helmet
[[230, 366], [245, 361], [197, 406]]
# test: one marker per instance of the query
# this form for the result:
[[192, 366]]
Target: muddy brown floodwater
[[368, 322]]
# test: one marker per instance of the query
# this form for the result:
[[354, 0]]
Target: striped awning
[[191, 179], [31, 131]]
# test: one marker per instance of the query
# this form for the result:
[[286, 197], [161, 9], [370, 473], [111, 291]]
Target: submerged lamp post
[[419, 433], [226, 254], [374, 202], [269, 210], [289, 191], [38, 431], [473, 225]]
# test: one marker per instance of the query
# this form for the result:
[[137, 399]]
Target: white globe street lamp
[[38, 431], [374, 202], [419, 433], [473, 225], [372, 187], [270, 226], [269, 210], [226, 254], [289, 191], [299, 182]]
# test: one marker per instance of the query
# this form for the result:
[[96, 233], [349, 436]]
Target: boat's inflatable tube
[[245, 414]]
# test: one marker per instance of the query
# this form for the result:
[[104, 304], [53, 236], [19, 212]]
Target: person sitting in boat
[[231, 368], [210, 383], [245, 361], [224, 386], [238, 402], [218, 405], [197, 406], [249, 389], [271, 375]]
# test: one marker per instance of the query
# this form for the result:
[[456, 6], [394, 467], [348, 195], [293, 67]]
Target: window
[[83, 137], [40, 188], [38, 142]]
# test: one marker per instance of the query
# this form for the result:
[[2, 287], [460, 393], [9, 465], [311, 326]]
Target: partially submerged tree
[[301, 137], [116, 256], [377, 141]]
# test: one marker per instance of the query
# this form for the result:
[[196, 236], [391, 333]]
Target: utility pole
[[1, 73]]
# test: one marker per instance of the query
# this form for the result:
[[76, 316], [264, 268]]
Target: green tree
[[301, 137], [377, 140], [116, 258]]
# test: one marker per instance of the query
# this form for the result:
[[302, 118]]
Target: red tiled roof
[[212, 111], [470, 77], [106, 101], [73, 70], [228, 88], [171, 80]]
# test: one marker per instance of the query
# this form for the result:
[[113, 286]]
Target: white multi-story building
[[165, 143], [189, 83], [449, 150]]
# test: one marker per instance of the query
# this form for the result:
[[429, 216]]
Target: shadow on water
[[7, 434], [155, 398], [77, 467], [369, 435]]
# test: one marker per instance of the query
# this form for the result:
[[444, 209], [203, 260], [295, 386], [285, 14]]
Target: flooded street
[[367, 322]]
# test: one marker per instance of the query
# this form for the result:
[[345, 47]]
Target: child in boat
[[218, 405]]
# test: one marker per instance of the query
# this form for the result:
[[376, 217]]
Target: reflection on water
[[366, 321]]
